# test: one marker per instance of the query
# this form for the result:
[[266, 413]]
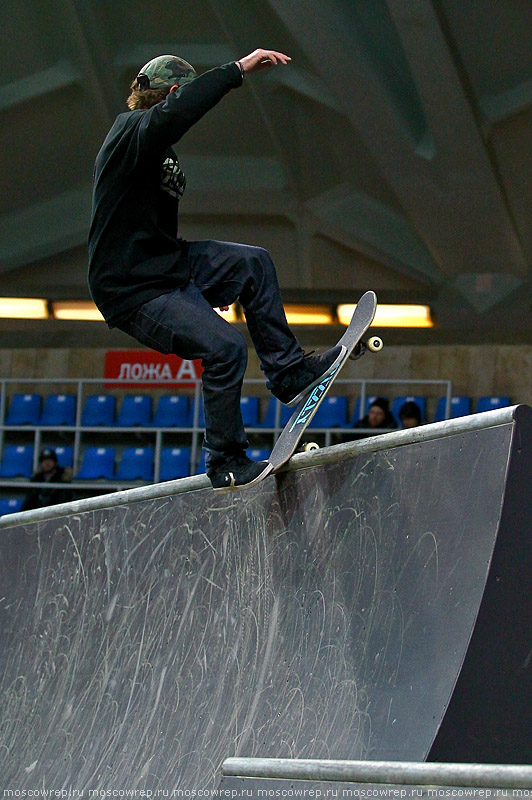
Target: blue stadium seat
[[17, 461], [460, 407], [258, 454], [332, 413], [269, 419], [489, 403], [99, 411], [136, 464], [249, 406], [134, 411], [172, 412], [25, 409], [175, 463], [65, 456], [356, 412], [398, 402], [10, 505], [59, 409], [98, 462]]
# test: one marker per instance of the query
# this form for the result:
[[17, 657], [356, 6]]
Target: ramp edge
[[503, 776], [326, 455]]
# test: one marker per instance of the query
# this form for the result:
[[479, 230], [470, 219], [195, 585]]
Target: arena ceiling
[[394, 153]]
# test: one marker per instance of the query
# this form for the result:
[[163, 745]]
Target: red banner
[[145, 368]]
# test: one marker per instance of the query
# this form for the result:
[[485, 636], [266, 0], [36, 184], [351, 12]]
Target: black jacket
[[134, 250], [41, 497]]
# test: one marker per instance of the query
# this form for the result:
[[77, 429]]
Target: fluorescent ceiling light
[[229, 316], [392, 316], [23, 308], [76, 310], [308, 315]]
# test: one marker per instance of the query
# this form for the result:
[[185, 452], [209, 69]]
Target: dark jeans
[[183, 322]]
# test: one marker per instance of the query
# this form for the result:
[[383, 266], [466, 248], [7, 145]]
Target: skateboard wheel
[[310, 446], [375, 344]]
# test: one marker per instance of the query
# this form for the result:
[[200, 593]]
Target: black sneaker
[[235, 472], [301, 379]]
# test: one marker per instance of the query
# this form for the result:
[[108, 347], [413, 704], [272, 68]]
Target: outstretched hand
[[262, 59]]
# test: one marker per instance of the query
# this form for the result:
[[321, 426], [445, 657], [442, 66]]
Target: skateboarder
[[162, 290]]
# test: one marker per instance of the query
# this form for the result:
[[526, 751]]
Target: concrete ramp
[[334, 611]]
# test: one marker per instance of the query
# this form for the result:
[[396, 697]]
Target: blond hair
[[144, 98]]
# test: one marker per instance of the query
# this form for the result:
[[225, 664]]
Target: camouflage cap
[[165, 71]]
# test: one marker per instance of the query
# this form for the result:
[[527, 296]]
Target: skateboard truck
[[373, 345]]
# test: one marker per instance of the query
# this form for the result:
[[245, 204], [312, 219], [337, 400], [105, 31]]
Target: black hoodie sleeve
[[165, 123]]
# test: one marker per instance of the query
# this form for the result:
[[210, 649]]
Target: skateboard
[[362, 318]]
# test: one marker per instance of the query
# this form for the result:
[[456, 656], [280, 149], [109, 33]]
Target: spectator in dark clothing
[[378, 416], [49, 472], [410, 414]]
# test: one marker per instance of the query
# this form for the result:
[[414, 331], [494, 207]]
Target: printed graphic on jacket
[[173, 178]]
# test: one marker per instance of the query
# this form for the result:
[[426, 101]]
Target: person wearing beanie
[[161, 289], [49, 472], [410, 414], [378, 416]]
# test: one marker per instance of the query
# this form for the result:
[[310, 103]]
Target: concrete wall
[[475, 370]]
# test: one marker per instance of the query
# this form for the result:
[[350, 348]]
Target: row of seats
[[100, 410], [177, 411], [136, 463]]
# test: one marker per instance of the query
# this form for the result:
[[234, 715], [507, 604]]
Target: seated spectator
[[378, 416], [410, 415], [49, 472]]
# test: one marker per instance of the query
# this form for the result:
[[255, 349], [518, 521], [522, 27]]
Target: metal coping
[[313, 458], [500, 776]]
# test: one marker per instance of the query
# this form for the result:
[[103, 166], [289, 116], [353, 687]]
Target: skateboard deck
[[287, 442]]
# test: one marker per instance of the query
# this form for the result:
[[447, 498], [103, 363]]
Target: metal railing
[[313, 458], [386, 773], [195, 431]]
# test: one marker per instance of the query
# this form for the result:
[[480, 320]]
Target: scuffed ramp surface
[[322, 614]]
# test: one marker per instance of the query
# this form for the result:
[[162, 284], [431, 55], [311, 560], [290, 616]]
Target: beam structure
[[430, 150]]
